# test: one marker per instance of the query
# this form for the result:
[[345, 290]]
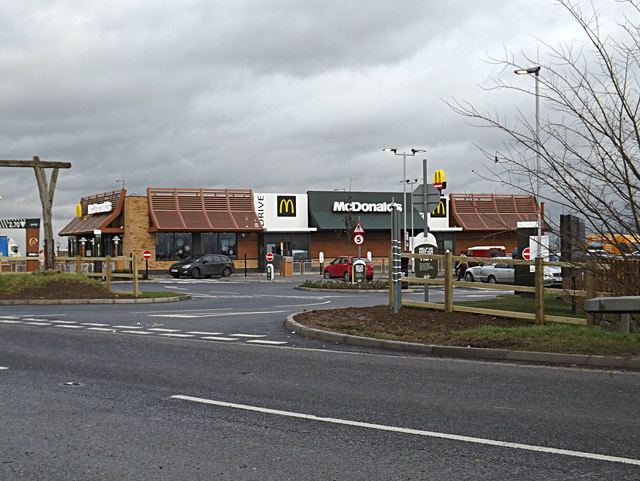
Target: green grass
[[14, 284], [511, 302], [154, 294], [551, 338]]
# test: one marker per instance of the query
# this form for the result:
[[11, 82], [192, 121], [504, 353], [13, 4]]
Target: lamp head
[[390, 149], [415, 151], [526, 71]]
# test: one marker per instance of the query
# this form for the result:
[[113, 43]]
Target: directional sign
[[269, 257], [526, 253], [358, 228], [433, 198], [146, 255], [358, 239]]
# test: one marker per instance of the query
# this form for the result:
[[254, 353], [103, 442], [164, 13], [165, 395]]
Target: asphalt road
[[153, 405]]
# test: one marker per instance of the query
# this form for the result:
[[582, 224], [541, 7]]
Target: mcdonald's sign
[[439, 179], [441, 210], [286, 205]]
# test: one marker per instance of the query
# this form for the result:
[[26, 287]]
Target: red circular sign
[[358, 239], [146, 255], [269, 257], [526, 253]]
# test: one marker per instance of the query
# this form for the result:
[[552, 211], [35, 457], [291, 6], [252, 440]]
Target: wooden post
[[78, 265], [590, 287], [302, 267], [136, 286], [108, 273], [539, 294], [448, 281]]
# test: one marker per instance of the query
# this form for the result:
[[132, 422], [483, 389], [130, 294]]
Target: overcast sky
[[278, 95]]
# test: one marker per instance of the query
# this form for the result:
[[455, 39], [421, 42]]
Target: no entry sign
[[146, 255], [269, 257], [526, 253]]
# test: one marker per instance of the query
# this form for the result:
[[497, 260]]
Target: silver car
[[504, 273]]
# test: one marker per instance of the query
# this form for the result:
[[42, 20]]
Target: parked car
[[504, 273], [341, 267], [485, 251], [207, 266]]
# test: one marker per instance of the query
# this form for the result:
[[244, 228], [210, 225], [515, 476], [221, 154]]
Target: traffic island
[[470, 336], [60, 288]]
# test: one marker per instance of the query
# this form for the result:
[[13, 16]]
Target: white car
[[504, 273]]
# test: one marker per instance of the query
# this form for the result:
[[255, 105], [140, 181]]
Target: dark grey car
[[207, 266]]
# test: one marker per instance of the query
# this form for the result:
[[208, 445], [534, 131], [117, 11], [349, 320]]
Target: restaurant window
[[228, 244], [73, 247], [182, 245], [209, 242], [164, 246]]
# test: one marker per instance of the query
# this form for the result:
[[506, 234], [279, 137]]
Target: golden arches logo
[[439, 179], [286, 206], [441, 210]]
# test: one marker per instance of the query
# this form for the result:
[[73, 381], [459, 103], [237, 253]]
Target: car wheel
[[468, 277], [491, 280], [175, 275], [226, 272], [327, 275], [346, 276], [195, 273]]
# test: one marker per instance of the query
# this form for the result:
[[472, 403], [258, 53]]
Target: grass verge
[[325, 284], [511, 302]]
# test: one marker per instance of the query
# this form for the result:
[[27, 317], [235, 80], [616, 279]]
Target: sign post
[[146, 255], [358, 237], [270, 271]]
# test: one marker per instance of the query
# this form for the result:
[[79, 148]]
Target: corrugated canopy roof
[[204, 210], [491, 211], [86, 224]]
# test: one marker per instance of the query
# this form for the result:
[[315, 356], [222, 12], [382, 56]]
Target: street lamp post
[[404, 185], [536, 71]]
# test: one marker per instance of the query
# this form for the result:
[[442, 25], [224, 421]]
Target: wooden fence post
[[539, 294], [590, 287], [108, 273], [448, 281], [78, 265], [136, 286]]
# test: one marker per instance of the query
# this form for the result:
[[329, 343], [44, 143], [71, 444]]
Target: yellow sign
[[78, 210], [439, 179], [441, 210], [286, 206]]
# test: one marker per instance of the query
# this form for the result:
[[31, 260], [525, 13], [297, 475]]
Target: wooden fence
[[538, 290]]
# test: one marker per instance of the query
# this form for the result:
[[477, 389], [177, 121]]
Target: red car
[[342, 267]]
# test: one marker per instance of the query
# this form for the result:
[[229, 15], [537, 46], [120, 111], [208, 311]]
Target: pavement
[[188, 391]]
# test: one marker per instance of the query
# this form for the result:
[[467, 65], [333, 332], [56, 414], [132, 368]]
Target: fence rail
[[538, 289]]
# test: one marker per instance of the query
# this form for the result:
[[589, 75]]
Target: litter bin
[[286, 266]]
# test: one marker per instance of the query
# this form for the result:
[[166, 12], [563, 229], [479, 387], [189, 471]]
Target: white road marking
[[216, 338], [185, 310], [102, 329], [8, 317], [304, 305], [160, 329], [222, 314], [94, 324], [415, 432], [181, 288], [3, 368], [138, 332], [7, 321], [205, 333], [262, 341], [248, 335], [64, 322], [177, 335], [128, 327], [34, 323], [68, 326], [36, 319]]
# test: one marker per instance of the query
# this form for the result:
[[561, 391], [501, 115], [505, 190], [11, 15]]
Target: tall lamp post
[[536, 72], [404, 184]]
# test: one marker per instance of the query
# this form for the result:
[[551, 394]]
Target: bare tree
[[590, 137], [589, 144]]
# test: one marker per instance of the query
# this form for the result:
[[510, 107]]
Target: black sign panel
[[286, 205], [440, 210]]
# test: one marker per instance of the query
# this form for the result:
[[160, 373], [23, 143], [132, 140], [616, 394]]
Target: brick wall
[[137, 237], [465, 240], [379, 243]]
